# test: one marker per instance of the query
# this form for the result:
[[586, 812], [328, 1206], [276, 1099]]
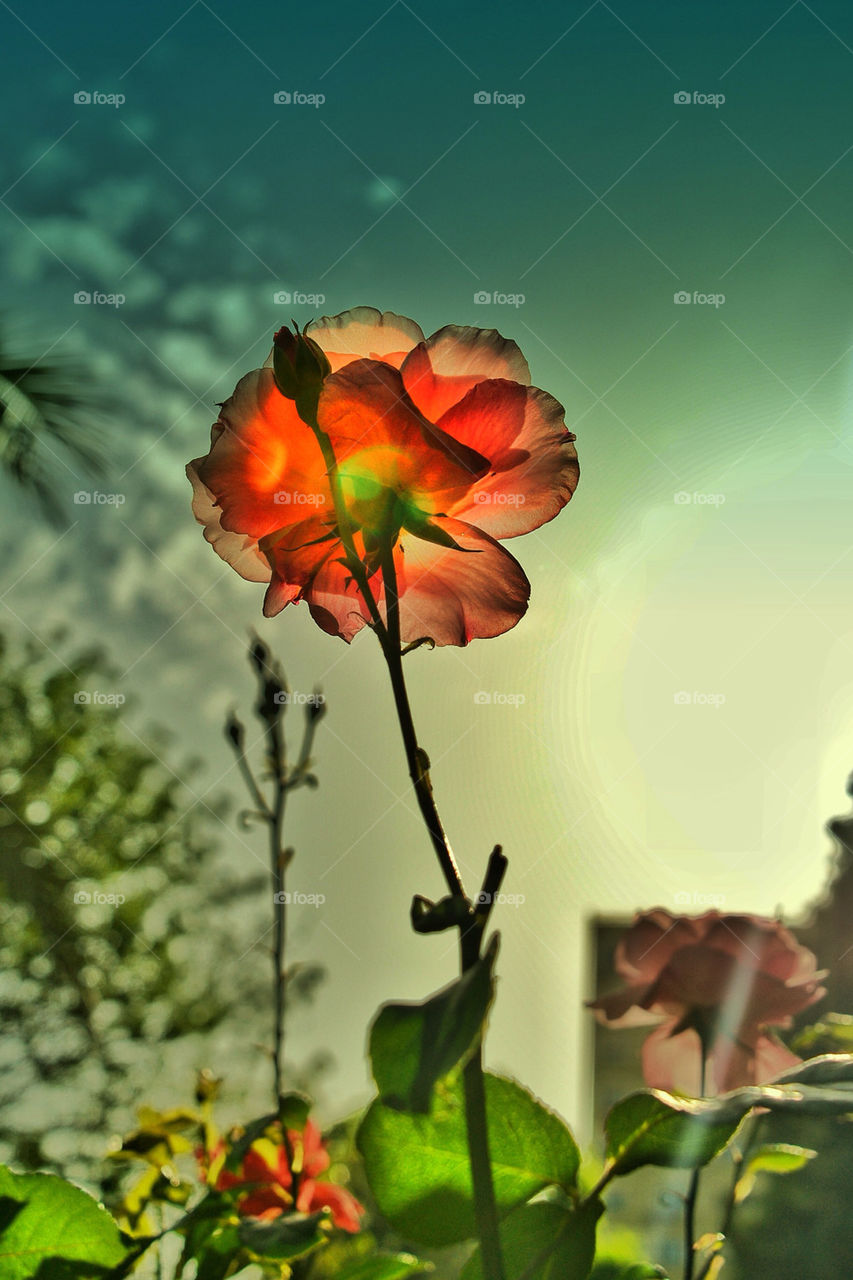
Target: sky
[[653, 201]]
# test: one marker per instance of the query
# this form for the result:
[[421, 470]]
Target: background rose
[[718, 981]]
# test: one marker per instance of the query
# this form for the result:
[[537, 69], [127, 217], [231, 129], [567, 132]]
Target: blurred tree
[[47, 426], [116, 909]]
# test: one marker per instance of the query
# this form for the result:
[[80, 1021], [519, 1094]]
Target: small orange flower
[[721, 981], [267, 1175], [443, 448]]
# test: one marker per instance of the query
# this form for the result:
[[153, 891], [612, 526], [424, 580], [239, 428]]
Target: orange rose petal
[[534, 464], [364, 332], [457, 596], [265, 466], [440, 371], [240, 550]]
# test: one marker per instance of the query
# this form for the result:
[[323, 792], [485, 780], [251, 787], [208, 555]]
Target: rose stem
[[470, 935], [693, 1188], [277, 868]]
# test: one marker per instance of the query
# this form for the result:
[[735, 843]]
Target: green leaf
[[385, 1266], [545, 1242], [832, 1034], [46, 1223], [658, 1128], [654, 1127], [291, 1235], [413, 1045], [417, 1165], [294, 1109], [644, 1271], [775, 1157], [828, 1068]]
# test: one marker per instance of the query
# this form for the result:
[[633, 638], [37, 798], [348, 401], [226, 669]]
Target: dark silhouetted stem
[[471, 933], [693, 1188]]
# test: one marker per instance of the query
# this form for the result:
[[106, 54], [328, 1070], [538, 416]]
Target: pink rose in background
[[721, 980]]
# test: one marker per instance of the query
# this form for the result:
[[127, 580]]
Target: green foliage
[[46, 1225], [545, 1241], [658, 1128], [773, 1157], [413, 1045], [417, 1165], [113, 907], [47, 436], [832, 1034]]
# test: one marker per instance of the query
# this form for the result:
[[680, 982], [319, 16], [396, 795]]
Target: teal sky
[[707, 552]]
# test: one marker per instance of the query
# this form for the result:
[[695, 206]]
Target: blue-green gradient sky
[[708, 550]]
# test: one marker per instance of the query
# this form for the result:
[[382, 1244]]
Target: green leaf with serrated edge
[[545, 1242], [385, 1266], [288, 1236], [414, 1045], [658, 1128], [654, 1127], [45, 1221], [774, 1157], [417, 1165]]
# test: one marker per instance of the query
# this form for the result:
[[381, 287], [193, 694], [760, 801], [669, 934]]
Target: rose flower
[[443, 449], [716, 984], [268, 1178]]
